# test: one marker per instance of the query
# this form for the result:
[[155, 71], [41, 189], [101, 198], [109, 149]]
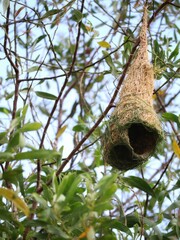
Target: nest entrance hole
[[142, 139], [120, 152]]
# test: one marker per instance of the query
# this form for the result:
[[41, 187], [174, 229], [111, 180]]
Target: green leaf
[[174, 53], [108, 59], [14, 123], [9, 95], [73, 187], [5, 5], [11, 175], [31, 127], [130, 220], [46, 95], [77, 15], [16, 140], [99, 78], [79, 128], [113, 223], [171, 117], [153, 225], [176, 148], [110, 63], [40, 200], [17, 201], [104, 44], [24, 111], [56, 231], [37, 154], [44, 110], [3, 137], [174, 205], [21, 42], [106, 193], [33, 69], [139, 183], [61, 131], [65, 187], [103, 206], [59, 159], [5, 156], [59, 14], [106, 181], [48, 194], [177, 185], [51, 13], [105, 188], [37, 40], [4, 110], [35, 223], [6, 215], [156, 47]]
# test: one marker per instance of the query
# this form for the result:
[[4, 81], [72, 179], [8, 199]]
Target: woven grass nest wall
[[134, 129]]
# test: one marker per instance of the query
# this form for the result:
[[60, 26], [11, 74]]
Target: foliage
[[62, 65]]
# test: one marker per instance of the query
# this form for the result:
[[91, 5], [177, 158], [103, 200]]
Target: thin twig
[[164, 171], [172, 98], [172, 78], [65, 82], [158, 10], [13, 64]]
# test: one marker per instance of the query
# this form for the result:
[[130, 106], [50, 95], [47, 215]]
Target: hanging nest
[[134, 129]]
